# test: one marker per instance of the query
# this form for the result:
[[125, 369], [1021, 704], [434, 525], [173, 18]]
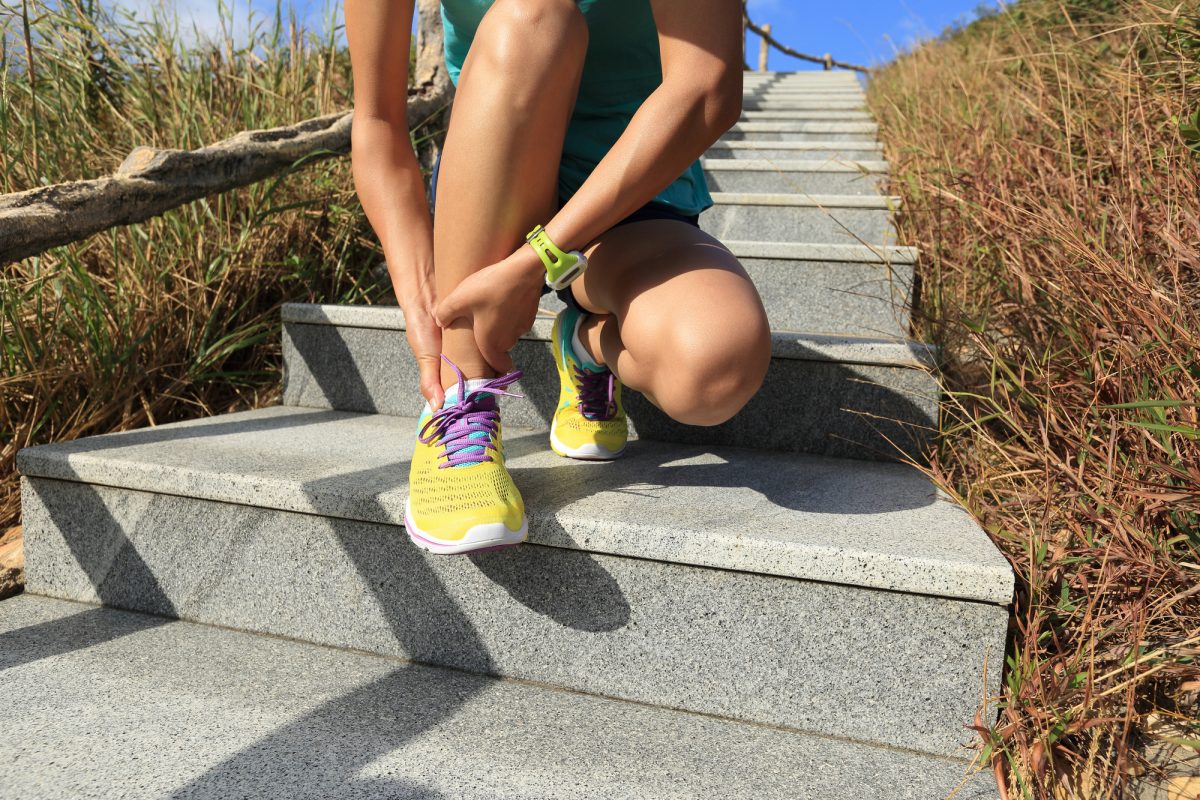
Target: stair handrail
[[828, 61]]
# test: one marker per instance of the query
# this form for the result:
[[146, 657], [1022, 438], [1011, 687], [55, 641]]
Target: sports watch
[[561, 268]]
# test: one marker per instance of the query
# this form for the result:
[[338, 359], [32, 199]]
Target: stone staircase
[[774, 607]]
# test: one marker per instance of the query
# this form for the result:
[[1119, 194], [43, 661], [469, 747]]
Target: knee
[[708, 386], [517, 36]]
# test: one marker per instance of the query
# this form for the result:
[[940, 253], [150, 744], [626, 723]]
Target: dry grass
[[178, 317], [1048, 181]]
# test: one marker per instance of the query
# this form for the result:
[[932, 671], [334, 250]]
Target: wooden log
[[150, 182]]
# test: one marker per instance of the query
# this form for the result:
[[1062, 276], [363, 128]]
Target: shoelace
[[596, 393], [467, 428]]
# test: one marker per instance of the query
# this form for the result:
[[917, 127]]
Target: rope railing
[[765, 32]]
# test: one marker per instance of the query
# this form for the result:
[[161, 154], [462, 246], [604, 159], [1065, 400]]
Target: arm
[[699, 99], [386, 174]]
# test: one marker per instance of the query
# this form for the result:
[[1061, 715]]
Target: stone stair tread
[[115, 701], [800, 199], [814, 251], [811, 144], [795, 165], [850, 522], [801, 345]]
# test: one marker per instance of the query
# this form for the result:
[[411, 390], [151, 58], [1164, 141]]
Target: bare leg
[[498, 176], [676, 318]]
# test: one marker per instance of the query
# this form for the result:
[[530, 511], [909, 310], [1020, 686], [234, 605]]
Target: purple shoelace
[[596, 393], [467, 428]]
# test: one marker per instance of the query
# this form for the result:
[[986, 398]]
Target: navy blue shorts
[[652, 210]]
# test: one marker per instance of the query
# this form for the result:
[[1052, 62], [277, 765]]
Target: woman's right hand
[[425, 339]]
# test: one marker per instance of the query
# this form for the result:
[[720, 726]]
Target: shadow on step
[[659, 472], [324, 752], [87, 628], [330, 746]]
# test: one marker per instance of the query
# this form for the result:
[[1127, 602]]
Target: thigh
[[498, 175]]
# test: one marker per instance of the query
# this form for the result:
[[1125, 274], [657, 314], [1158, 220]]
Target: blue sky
[[863, 31], [866, 32]]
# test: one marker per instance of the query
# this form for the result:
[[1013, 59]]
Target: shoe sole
[[587, 452], [479, 539]]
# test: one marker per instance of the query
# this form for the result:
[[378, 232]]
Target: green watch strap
[[556, 261]]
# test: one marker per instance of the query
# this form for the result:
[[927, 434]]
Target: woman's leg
[[676, 317], [498, 175]]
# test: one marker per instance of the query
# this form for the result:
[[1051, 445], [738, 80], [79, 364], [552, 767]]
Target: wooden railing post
[[762, 50]]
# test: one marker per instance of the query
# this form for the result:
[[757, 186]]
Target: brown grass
[[178, 317], [1047, 180]]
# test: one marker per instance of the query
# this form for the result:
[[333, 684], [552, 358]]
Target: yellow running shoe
[[461, 498], [589, 422]]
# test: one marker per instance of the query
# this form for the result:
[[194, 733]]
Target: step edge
[[815, 126], [814, 144], [962, 580], [864, 745], [792, 345], [859, 166], [803, 199], [813, 251]]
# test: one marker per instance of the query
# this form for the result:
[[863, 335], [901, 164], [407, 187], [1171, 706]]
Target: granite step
[[802, 114], [820, 595], [790, 217], [855, 397], [802, 131], [807, 176], [832, 289], [849, 290], [752, 106], [115, 703], [801, 76], [772, 95], [820, 150]]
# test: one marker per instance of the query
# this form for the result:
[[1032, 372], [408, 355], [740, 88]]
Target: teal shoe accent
[[569, 320]]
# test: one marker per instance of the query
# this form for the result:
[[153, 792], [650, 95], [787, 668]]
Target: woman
[[577, 125]]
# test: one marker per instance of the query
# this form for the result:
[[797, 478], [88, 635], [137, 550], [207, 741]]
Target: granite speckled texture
[[827, 114], [865, 524], [810, 656], [799, 176], [816, 295], [179, 710], [824, 151], [860, 299], [861, 398], [846, 219], [752, 105], [802, 131]]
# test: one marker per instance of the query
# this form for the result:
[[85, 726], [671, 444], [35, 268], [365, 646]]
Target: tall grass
[[1043, 154], [176, 317]]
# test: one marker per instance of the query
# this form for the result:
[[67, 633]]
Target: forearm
[[392, 191], [671, 129]]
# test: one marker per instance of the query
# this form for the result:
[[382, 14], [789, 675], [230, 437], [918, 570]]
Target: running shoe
[[589, 422], [460, 496]]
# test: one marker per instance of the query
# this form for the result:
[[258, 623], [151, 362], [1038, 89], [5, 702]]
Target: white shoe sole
[[587, 452], [488, 536]]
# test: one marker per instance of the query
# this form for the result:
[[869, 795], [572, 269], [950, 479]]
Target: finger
[[499, 360], [451, 308], [431, 380]]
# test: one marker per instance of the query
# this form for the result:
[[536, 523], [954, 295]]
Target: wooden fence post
[[762, 50]]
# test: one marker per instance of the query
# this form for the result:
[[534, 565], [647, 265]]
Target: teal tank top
[[622, 67]]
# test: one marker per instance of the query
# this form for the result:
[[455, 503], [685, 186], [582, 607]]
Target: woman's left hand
[[500, 301]]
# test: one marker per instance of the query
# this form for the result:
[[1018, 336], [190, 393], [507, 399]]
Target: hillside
[[1043, 158]]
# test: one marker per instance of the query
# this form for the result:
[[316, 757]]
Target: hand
[[425, 339], [500, 301]]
